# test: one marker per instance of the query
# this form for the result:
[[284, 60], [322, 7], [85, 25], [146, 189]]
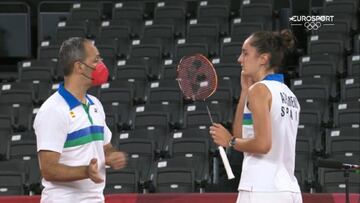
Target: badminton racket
[[197, 80]]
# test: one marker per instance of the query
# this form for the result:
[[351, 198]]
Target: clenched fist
[[116, 160], [220, 135]]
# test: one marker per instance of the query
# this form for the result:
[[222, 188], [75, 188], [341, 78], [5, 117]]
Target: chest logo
[[72, 114]]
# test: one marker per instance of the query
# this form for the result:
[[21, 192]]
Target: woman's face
[[250, 60]]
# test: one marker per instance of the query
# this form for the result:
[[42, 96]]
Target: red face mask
[[99, 75]]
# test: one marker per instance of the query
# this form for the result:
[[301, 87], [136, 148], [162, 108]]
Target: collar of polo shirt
[[70, 99]]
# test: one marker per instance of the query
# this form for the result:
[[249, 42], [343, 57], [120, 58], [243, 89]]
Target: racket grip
[[226, 163]]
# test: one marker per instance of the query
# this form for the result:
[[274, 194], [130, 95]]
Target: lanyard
[[87, 108]]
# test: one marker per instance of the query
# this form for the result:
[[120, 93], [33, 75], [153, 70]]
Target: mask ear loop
[[92, 68], [87, 67]]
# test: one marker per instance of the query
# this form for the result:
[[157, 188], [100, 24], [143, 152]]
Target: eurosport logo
[[311, 22]]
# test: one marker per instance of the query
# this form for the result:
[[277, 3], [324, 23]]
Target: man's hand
[[116, 160], [93, 171], [220, 135]]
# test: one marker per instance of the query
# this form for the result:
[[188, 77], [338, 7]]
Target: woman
[[265, 128]]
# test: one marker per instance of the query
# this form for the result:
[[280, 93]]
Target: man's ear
[[265, 59], [78, 67]]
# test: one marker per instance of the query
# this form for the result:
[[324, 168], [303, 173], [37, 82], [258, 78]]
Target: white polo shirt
[[63, 125]]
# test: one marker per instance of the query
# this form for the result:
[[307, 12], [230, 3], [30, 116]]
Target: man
[[73, 140]]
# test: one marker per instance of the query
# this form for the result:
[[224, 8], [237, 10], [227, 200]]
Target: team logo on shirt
[[95, 110], [72, 114]]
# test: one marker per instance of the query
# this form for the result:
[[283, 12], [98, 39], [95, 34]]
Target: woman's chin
[[246, 73]]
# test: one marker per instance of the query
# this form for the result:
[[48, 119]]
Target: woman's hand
[[246, 82], [220, 135]]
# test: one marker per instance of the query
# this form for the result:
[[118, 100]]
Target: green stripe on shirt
[[247, 122], [247, 119], [84, 140]]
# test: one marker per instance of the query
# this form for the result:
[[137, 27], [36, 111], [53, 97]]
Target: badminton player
[[265, 124]]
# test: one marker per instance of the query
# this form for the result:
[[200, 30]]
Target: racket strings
[[197, 77]]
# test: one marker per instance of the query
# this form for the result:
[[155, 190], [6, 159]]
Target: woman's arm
[[246, 83], [259, 98]]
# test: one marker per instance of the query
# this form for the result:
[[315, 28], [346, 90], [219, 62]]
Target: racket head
[[196, 77]]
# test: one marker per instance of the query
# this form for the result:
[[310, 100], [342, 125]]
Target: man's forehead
[[91, 49]]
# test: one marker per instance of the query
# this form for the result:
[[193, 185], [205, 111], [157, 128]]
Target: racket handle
[[226, 163]]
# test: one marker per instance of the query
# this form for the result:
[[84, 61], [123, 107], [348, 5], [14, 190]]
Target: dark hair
[[71, 50], [277, 44]]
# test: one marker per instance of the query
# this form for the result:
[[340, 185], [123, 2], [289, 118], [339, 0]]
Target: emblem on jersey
[[72, 114], [95, 110]]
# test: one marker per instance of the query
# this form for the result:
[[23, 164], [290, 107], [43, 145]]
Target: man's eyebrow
[[97, 57], [243, 50]]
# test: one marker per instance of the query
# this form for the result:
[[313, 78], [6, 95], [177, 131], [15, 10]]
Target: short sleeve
[[50, 127], [107, 131], [107, 134]]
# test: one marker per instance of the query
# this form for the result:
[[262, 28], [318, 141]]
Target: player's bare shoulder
[[259, 90]]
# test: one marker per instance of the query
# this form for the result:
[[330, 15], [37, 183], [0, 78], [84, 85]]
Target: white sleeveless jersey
[[273, 171]]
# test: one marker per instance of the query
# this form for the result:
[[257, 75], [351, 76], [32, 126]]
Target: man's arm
[[52, 170], [113, 157]]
